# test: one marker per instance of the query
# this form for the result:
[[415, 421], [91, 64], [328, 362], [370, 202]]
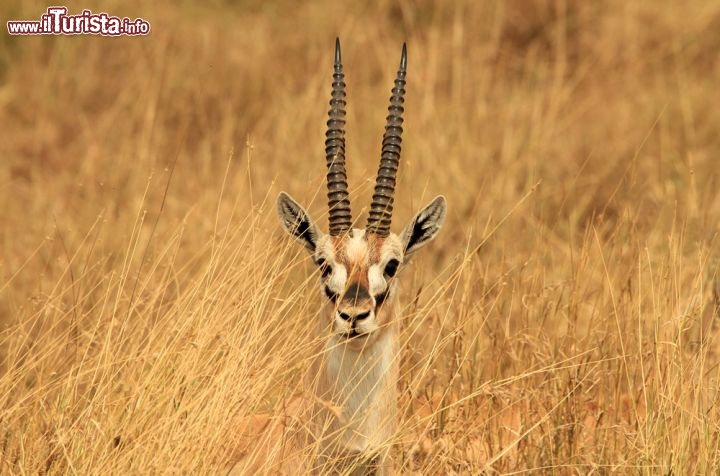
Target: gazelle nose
[[348, 316], [362, 315]]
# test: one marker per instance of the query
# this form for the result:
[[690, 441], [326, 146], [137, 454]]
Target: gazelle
[[357, 373], [352, 419]]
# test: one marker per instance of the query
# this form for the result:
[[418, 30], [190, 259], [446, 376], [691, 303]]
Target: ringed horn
[[340, 217], [381, 207]]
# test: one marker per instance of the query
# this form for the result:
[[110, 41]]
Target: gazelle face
[[358, 270], [358, 267]]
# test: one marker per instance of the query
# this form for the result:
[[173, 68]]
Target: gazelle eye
[[325, 268], [391, 268]]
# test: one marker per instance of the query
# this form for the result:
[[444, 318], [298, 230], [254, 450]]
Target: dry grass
[[560, 323]]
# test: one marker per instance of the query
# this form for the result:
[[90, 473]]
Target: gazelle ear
[[296, 221], [426, 224]]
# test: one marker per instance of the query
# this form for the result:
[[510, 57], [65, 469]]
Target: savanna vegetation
[[563, 322]]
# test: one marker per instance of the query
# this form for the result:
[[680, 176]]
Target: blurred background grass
[[148, 300]]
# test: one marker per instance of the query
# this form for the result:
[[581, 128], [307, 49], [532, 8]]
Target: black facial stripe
[[380, 298], [330, 294], [325, 268]]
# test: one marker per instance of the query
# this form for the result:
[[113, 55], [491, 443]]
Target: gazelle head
[[358, 267]]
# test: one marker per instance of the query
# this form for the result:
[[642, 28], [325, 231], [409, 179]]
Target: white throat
[[362, 384]]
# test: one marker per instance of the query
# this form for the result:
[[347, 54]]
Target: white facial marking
[[342, 326], [338, 278], [326, 250], [392, 248], [376, 280], [357, 248]]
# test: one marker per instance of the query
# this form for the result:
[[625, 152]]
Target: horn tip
[[338, 57], [403, 57]]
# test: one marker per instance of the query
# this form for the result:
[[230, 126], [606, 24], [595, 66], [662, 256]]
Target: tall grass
[[563, 321]]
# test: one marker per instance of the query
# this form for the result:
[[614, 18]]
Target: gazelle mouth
[[353, 334]]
